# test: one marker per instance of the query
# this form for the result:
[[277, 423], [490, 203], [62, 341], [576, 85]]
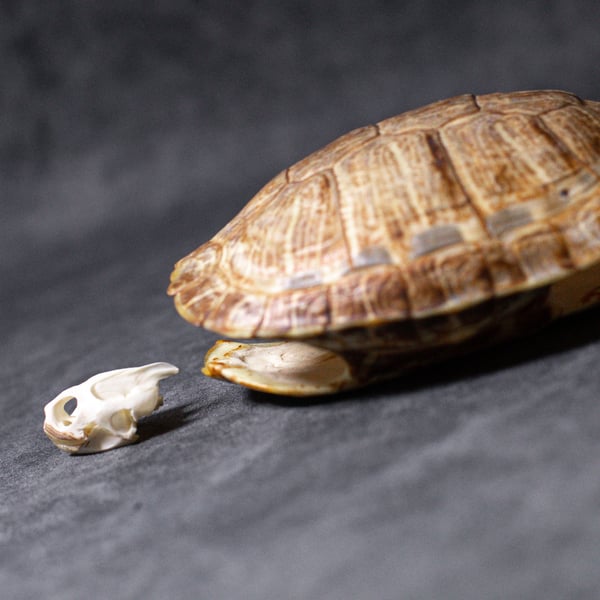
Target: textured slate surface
[[129, 133]]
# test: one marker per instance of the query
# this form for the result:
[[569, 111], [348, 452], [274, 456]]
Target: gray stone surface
[[129, 133]]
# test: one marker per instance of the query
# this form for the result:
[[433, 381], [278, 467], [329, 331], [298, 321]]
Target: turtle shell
[[427, 213]]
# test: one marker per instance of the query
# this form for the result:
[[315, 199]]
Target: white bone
[[108, 407]]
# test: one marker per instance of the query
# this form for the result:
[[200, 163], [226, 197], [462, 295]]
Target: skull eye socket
[[70, 406], [64, 410]]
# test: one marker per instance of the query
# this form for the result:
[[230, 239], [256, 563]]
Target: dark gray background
[[129, 133]]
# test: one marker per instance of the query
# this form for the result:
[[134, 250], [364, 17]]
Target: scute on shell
[[426, 213]]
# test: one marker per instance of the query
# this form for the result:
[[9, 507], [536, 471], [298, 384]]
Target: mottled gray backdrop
[[129, 133]]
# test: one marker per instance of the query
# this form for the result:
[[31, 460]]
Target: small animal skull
[[108, 407]]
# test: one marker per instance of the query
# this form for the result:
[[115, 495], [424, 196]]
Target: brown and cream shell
[[411, 236]]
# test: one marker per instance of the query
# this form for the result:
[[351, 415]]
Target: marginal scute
[[465, 276], [239, 311], [425, 289], [368, 295], [580, 230], [292, 312], [196, 301], [504, 268], [542, 254], [456, 277], [189, 269]]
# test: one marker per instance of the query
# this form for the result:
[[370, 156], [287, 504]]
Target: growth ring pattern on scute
[[426, 213]]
